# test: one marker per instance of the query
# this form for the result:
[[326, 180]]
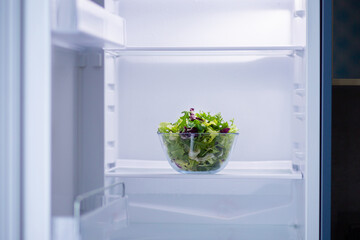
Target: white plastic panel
[[299, 112], [312, 167], [299, 22], [91, 121], [82, 23], [111, 111], [36, 121], [64, 130], [11, 95], [255, 90], [207, 23], [299, 196]]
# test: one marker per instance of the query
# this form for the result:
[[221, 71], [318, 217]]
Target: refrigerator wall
[[255, 90], [64, 129], [227, 23]]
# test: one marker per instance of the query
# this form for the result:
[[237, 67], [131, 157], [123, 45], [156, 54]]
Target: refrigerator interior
[[120, 71]]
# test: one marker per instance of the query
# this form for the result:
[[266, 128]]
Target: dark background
[[346, 121], [346, 39]]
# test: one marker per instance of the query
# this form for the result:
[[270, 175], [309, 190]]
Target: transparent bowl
[[199, 153]]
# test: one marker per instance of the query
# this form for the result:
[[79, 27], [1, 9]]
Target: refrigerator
[[97, 77]]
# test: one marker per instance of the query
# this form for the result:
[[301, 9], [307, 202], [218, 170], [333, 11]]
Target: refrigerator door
[[36, 120], [10, 119]]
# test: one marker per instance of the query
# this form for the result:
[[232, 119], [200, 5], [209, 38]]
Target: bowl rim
[[159, 133]]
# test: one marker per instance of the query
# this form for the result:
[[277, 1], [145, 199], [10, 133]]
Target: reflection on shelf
[[235, 169]]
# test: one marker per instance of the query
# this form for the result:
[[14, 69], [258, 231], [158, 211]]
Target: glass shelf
[[204, 51], [132, 168], [82, 23]]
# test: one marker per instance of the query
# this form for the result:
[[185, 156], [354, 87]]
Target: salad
[[198, 142]]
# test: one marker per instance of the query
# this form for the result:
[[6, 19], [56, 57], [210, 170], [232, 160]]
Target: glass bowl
[[199, 153]]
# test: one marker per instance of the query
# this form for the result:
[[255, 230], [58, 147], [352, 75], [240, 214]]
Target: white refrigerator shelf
[[235, 169], [206, 51], [82, 23]]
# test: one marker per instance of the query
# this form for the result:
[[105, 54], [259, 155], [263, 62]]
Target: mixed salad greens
[[198, 142]]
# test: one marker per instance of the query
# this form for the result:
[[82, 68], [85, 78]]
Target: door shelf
[[234, 170], [206, 51], [82, 23]]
